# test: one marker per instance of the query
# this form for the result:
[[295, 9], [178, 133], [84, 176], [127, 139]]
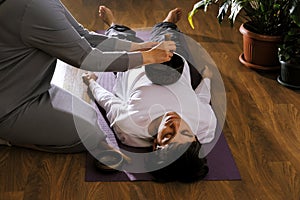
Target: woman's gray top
[[33, 34]]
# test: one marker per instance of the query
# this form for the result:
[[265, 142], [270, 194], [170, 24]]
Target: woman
[[33, 35]]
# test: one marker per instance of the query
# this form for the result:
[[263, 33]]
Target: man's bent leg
[[182, 47], [123, 32]]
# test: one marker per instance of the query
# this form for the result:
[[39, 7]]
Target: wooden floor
[[262, 125]]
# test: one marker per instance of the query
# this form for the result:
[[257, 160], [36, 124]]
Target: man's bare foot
[[87, 78], [174, 15], [106, 15]]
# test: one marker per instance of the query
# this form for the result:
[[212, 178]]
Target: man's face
[[173, 129]]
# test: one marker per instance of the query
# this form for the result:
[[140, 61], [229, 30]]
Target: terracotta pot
[[289, 75], [260, 51]]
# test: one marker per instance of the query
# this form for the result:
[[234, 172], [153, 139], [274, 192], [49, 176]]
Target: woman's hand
[[159, 53]]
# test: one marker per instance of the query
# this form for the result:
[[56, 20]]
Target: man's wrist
[[135, 46]]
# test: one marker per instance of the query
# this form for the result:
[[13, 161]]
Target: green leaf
[[235, 10], [197, 6], [295, 10], [223, 10], [276, 6]]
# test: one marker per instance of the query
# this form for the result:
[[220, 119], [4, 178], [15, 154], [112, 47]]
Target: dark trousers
[[158, 35]]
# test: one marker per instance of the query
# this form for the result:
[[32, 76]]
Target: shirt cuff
[[135, 59], [113, 44], [93, 84], [123, 45]]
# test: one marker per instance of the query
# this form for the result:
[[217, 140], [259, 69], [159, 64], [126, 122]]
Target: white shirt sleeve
[[203, 91], [207, 132], [207, 128], [107, 100]]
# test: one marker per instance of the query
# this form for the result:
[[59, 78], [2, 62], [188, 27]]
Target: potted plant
[[289, 51], [266, 22]]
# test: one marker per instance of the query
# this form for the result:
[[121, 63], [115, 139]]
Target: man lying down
[[174, 118]]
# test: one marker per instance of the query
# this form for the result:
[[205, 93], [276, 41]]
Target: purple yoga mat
[[220, 161]]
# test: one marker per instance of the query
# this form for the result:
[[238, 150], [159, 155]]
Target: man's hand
[[143, 46], [87, 78], [160, 53], [207, 73]]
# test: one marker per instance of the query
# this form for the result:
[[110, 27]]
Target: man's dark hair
[[188, 167]]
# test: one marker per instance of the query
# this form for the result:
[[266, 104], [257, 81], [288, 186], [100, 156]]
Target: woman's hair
[[188, 167]]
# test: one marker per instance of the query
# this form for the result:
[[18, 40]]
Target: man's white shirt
[[136, 101]]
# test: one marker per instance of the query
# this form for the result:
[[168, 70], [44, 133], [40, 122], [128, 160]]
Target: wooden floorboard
[[262, 125]]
